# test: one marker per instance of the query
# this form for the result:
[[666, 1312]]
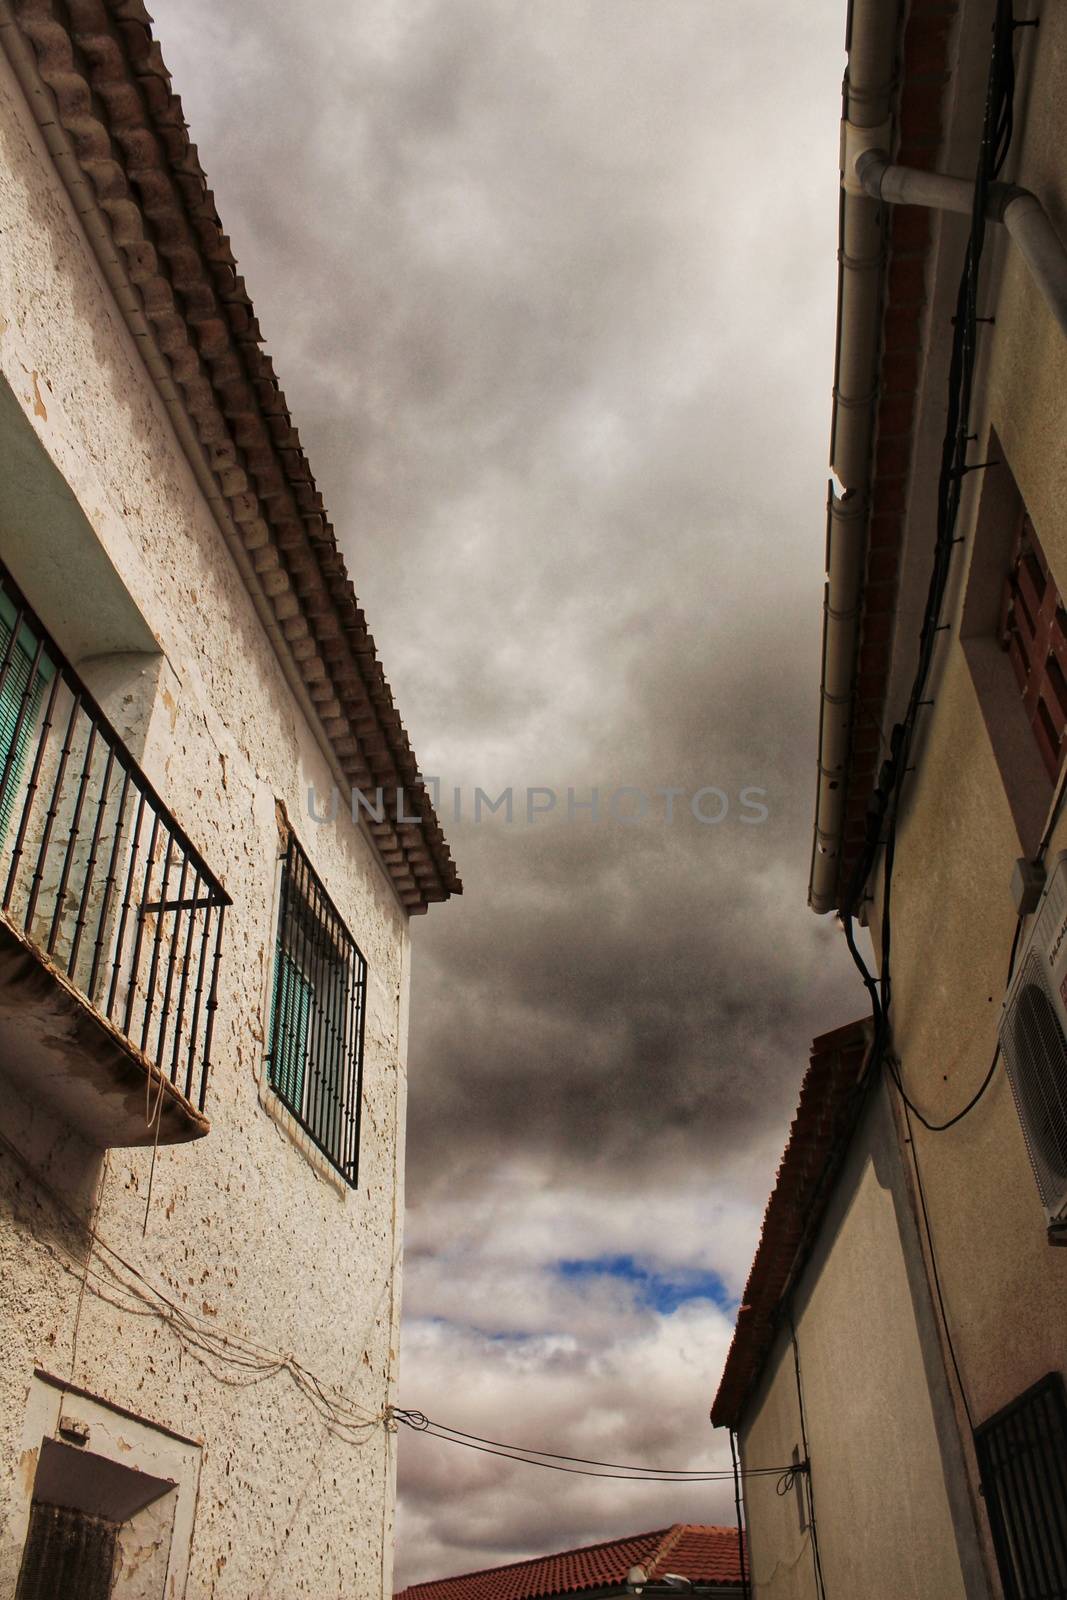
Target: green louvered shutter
[[289, 1025], [13, 750]]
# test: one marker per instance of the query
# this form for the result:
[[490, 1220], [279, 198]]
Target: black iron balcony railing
[[95, 872]]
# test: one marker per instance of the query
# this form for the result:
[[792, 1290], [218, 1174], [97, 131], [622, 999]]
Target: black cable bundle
[[884, 808]]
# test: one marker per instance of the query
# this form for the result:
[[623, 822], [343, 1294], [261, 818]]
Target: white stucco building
[[203, 991], [902, 1338]]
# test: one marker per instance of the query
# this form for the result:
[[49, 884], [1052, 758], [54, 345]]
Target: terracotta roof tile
[[815, 1144], [128, 135], [706, 1555]]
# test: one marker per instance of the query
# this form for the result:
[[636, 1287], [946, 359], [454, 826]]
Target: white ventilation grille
[[1033, 1039]]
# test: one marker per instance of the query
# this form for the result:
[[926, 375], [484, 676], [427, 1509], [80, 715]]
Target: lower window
[[1022, 1457], [315, 1041], [67, 1552], [1014, 636], [102, 1506]]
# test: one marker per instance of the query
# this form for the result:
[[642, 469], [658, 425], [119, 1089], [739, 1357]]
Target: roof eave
[[818, 1140], [118, 137], [881, 299]]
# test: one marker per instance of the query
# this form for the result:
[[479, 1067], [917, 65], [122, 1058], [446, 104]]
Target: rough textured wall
[[246, 1231], [887, 1479], [953, 918]]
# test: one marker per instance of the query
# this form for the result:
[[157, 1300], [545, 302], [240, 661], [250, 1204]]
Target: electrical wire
[[934, 1271], [805, 1466], [950, 1122], [741, 1556], [419, 1421], [884, 810], [236, 1359], [231, 1358], [553, 1460], [885, 804]]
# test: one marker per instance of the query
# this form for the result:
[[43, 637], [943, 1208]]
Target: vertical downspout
[[867, 98], [870, 180], [740, 1524]]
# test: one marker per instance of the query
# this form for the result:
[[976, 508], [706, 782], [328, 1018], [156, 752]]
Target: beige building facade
[[203, 985], [904, 1333]]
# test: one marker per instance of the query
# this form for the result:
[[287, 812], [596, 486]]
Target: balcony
[[110, 921]]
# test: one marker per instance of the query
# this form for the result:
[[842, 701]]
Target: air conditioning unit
[[1033, 1042]]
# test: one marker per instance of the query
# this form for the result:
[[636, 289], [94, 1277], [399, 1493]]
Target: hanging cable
[[231, 1358], [894, 1065], [554, 1460], [419, 1421], [884, 808], [934, 1271], [805, 1466]]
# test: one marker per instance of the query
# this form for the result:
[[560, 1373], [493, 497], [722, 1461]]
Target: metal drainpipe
[[1020, 211], [867, 103], [868, 180]]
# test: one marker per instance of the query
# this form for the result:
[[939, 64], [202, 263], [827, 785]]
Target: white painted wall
[[893, 1519], [900, 1507], [247, 1231]]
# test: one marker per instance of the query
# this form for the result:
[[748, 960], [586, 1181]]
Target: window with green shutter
[[290, 1018], [20, 702], [315, 1036]]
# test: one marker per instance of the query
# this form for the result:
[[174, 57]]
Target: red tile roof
[[706, 1555], [815, 1146], [129, 149]]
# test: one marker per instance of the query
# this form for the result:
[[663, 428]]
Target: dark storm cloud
[[550, 290], [648, 1000]]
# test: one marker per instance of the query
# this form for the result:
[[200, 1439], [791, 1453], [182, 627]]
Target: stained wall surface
[[249, 1230], [902, 1483], [979, 796], [853, 1385]]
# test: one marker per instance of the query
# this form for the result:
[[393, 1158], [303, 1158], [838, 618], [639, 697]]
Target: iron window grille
[[1033, 631], [318, 1010], [95, 871], [1022, 1458]]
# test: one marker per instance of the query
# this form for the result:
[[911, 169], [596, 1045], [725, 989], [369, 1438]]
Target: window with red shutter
[[1033, 632], [1013, 630]]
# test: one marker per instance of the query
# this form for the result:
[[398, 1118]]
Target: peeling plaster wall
[[247, 1230]]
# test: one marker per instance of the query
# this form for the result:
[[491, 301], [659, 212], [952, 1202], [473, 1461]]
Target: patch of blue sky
[[661, 1291]]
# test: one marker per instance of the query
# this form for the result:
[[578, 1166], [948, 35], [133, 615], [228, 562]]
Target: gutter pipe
[[867, 99], [1019, 210], [869, 180]]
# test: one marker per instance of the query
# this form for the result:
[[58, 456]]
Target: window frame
[[1015, 746], [1033, 633], [316, 1026], [21, 659], [1023, 1469]]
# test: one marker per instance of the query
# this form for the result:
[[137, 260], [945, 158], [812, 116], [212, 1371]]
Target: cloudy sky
[[550, 287]]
